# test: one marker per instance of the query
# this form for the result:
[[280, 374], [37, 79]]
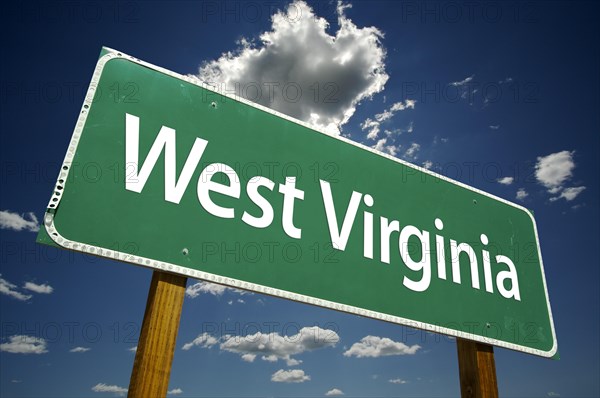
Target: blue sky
[[503, 97]]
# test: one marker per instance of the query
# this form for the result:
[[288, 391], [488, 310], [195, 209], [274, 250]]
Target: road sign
[[164, 172]]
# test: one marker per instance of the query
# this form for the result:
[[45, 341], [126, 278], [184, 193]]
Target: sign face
[[164, 172]]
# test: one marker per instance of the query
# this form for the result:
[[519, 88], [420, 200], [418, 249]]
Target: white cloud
[[522, 194], [21, 344], [101, 387], [271, 347], [554, 170], [41, 289], [398, 381], [80, 349], [374, 347], [495, 127], [299, 69], [132, 349], [196, 289], [568, 194], [334, 392], [506, 180], [248, 357], [398, 106], [385, 115], [462, 82], [553, 394], [292, 362], [374, 126], [204, 340], [199, 288], [411, 152], [428, 164], [289, 376], [467, 91], [10, 289], [17, 222], [381, 146], [175, 391]]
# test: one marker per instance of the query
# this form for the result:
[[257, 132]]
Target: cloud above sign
[[554, 171], [301, 70]]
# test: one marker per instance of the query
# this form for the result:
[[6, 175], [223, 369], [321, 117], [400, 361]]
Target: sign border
[[110, 54]]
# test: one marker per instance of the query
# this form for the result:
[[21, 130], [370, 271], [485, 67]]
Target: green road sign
[[164, 172]]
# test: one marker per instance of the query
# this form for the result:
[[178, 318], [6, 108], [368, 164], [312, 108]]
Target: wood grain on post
[[156, 346], [477, 370]]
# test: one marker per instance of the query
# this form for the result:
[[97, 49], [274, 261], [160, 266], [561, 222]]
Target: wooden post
[[477, 370], [156, 346]]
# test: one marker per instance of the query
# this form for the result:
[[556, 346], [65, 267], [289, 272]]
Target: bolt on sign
[[165, 172]]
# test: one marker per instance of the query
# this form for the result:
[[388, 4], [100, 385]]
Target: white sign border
[[176, 269]]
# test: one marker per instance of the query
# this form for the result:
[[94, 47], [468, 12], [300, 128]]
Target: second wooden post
[[477, 370], [156, 346]]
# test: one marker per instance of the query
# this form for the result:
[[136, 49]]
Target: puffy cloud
[[290, 376], [10, 289], [41, 289], [21, 344], [372, 126], [80, 349], [292, 362], [506, 180], [411, 152], [398, 381], [428, 164], [204, 340], [101, 387], [301, 70], [374, 347], [18, 222], [175, 391], [270, 347], [495, 127], [568, 194], [522, 194], [335, 392], [554, 170], [381, 146], [273, 347], [248, 357]]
